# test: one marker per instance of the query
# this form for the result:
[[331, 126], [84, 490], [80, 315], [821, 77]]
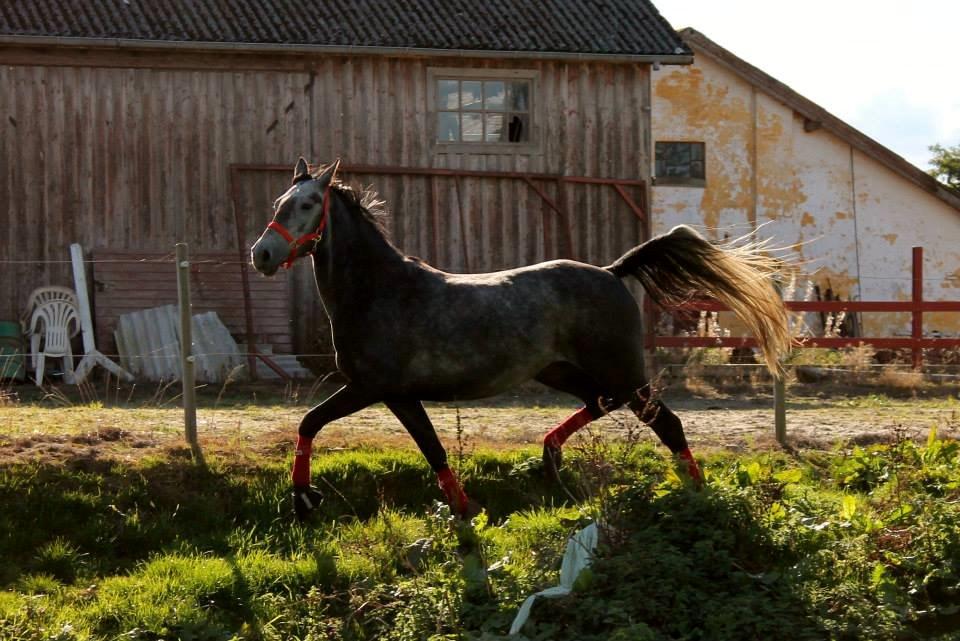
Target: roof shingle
[[597, 27]]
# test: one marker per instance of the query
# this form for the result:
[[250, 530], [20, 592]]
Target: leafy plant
[[946, 165]]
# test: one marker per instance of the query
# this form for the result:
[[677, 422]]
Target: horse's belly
[[469, 375], [467, 388], [429, 375]]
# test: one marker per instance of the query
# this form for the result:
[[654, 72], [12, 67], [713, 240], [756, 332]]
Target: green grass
[[853, 544]]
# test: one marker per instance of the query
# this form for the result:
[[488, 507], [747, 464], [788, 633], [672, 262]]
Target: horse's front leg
[[347, 400], [415, 419]]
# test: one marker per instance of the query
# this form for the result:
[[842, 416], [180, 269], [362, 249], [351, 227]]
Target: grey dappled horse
[[405, 332]]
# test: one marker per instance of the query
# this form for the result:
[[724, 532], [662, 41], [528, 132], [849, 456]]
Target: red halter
[[306, 238]]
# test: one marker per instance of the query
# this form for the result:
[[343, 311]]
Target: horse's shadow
[[684, 564], [117, 515]]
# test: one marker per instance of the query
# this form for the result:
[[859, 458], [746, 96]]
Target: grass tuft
[[900, 378], [61, 559]]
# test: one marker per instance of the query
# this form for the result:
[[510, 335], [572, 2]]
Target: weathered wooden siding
[[129, 281], [132, 153], [128, 158]]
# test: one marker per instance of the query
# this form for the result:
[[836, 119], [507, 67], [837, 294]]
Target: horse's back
[[579, 311], [558, 289], [560, 277]]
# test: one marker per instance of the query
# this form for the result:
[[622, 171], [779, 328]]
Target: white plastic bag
[[578, 555]]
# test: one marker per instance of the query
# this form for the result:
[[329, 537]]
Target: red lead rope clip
[[306, 238]]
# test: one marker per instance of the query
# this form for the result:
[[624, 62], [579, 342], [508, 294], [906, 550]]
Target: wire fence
[[915, 341]]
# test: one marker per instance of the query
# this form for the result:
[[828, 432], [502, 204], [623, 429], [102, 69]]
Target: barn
[[500, 134], [736, 148]]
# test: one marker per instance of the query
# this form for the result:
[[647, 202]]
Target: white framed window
[[474, 110]]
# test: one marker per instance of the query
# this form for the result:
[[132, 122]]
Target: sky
[[888, 68]]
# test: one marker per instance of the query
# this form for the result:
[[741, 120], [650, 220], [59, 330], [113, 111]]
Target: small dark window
[[483, 110], [680, 163]]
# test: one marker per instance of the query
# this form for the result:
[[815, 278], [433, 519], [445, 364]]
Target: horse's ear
[[301, 171], [329, 173]]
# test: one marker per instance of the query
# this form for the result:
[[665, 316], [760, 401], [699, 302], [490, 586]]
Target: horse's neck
[[355, 264]]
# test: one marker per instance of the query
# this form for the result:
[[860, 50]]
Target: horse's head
[[299, 218]]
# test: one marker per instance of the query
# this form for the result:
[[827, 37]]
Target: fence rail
[[916, 306]]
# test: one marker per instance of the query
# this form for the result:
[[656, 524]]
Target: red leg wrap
[[456, 497], [692, 468], [301, 462], [559, 435]]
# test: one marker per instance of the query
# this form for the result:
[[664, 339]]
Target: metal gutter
[[397, 52]]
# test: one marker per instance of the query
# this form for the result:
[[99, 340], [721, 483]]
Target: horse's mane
[[365, 201], [362, 200]]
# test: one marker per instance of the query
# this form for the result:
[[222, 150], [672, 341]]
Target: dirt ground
[[72, 424]]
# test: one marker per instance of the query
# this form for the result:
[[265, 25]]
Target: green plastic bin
[[13, 365]]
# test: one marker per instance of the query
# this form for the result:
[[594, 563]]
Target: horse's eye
[[306, 206]]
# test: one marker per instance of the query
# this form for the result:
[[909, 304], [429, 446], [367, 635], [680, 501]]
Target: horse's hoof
[[552, 461], [305, 501]]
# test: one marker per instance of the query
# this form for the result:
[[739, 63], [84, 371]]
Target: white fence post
[[91, 356]]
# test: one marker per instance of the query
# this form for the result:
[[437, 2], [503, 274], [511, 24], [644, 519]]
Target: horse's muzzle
[[264, 261]]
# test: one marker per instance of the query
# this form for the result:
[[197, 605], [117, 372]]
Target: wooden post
[[463, 226], [780, 397], [187, 362], [916, 328], [780, 409], [243, 256]]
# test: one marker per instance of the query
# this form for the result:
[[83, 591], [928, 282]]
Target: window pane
[[483, 110], [493, 95], [473, 127], [678, 155], [519, 96], [518, 128], [494, 131], [681, 160], [471, 94], [448, 94], [448, 126]]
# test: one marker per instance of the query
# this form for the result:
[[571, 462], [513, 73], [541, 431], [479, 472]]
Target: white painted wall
[[854, 221]]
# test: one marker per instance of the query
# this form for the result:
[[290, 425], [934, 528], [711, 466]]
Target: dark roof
[[816, 117], [591, 27]]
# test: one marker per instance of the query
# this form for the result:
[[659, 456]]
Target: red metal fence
[[916, 306]]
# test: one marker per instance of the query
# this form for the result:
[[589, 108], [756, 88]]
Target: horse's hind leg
[[667, 426], [414, 418], [567, 377]]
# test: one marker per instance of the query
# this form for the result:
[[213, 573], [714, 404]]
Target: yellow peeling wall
[[855, 221]]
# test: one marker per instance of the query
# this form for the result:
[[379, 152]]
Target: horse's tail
[[675, 265]]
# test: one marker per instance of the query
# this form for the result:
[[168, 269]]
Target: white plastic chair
[[50, 334], [44, 294], [36, 298]]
